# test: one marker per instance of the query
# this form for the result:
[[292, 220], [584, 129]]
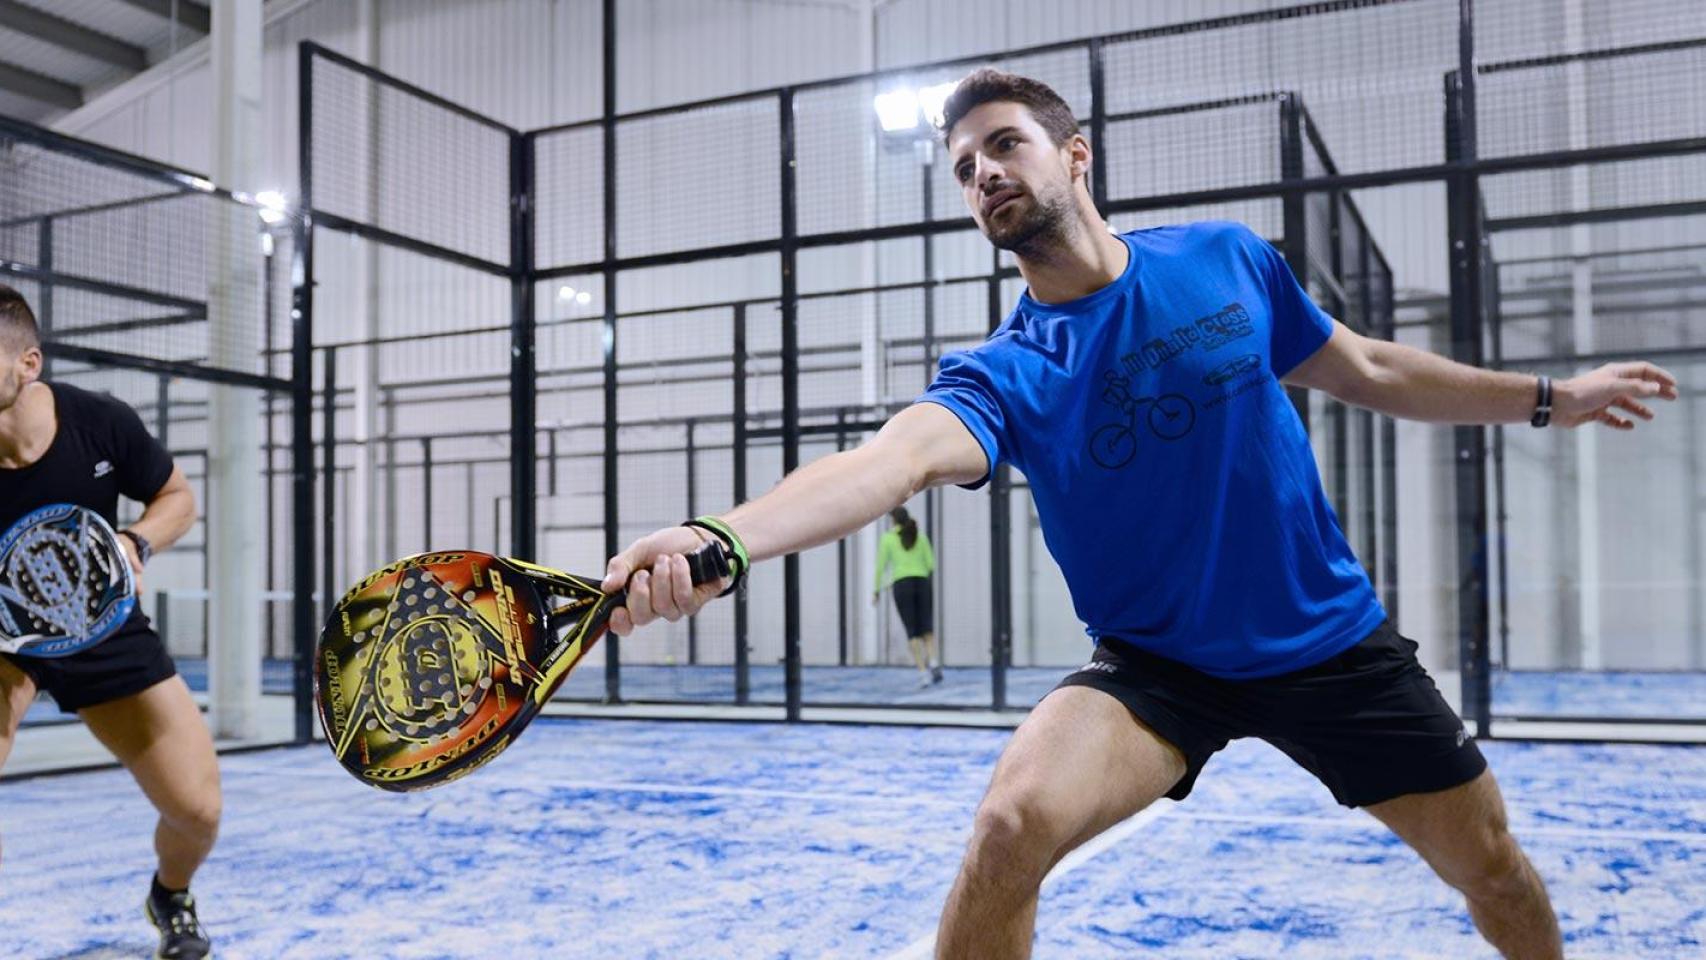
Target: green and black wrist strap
[[738, 559]]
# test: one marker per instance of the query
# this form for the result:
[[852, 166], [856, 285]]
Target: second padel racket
[[65, 582], [430, 667]]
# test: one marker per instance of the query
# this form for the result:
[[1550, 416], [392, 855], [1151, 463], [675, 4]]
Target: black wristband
[[1542, 403], [144, 549]]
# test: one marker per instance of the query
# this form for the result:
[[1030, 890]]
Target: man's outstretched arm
[[1414, 384], [922, 446]]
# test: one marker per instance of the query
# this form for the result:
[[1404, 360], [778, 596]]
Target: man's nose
[[987, 171]]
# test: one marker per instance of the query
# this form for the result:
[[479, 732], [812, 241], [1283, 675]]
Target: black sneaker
[[181, 936], [936, 675]]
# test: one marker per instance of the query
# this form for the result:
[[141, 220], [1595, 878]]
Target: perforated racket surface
[[65, 582], [431, 666]]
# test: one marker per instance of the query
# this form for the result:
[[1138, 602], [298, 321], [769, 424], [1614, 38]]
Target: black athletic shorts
[[1369, 723], [126, 663], [913, 598]]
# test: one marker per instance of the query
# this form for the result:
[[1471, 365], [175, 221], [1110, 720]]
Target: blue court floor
[[1607, 694], [694, 841]]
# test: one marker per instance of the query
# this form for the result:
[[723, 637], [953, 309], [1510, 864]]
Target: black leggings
[[913, 598]]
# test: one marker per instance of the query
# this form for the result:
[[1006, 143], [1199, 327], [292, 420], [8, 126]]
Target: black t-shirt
[[100, 450]]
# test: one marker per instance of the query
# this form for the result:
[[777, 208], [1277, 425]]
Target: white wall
[[1371, 79]]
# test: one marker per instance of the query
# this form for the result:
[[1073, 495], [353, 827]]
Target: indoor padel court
[[882, 479]]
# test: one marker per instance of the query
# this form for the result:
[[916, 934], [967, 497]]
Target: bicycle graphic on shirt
[[1168, 416]]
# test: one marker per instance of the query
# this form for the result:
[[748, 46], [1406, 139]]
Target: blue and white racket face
[[65, 582]]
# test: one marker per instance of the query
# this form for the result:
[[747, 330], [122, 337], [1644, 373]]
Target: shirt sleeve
[[967, 387], [142, 464], [1299, 326], [929, 553]]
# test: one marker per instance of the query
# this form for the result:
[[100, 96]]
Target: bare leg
[[920, 655], [17, 692], [1079, 764], [1462, 833], [931, 657], [159, 736]]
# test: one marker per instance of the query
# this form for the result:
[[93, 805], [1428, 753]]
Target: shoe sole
[[148, 915]]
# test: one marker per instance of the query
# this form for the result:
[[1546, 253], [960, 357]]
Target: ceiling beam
[[72, 36], [196, 16], [56, 93]]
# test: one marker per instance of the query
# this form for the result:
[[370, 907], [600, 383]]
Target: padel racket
[[65, 582], [431, 666]]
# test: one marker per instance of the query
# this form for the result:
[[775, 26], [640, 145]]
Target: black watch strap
[[1542, 403], [144, 549]]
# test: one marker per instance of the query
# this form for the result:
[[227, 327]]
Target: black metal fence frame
[[1461, 172], [177, 183]]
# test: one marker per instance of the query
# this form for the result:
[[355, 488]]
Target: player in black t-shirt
[[61, 444]]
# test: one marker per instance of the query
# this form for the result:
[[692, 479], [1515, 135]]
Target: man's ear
[[1079, 155], [32, 360]]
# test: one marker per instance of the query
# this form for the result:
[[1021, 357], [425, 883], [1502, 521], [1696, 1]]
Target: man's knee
[[196, 814], [1018, 833], [1496, 870]]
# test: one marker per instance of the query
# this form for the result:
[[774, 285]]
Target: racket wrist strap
[[144, 549], [739, 561]]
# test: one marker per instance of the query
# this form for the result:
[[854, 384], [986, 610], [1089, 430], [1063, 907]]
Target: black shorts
[[1369, 723], [124, 664], [913, 598]]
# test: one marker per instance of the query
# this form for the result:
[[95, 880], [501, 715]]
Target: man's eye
[[963, 173], [1007, 143]]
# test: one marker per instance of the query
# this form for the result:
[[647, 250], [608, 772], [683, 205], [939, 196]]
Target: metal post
[[1469, 442], [790, 398], [841, 578], [692, 511], [612, 517], [44, 298], [551, 462], [1294, 217], [426, 491], [523, 378], [303, 619], [1098, 126], [743, 669], [1000, 536], [329, 479]]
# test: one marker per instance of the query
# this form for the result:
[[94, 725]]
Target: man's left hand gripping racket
[[431, 666], [65, 582]]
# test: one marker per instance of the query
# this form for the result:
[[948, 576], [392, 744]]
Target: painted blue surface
[[694, 840]]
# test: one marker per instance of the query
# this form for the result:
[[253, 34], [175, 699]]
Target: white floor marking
[[924, 946]]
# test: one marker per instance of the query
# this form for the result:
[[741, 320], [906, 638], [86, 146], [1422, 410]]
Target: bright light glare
[[565, 293], [897, 110], [205, 186], [583, 298], [273, 205], [933, 99]]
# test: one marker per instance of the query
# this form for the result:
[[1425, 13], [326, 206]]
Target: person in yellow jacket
[[905, 561]]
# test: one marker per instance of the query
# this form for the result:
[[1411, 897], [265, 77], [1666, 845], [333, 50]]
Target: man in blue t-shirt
[[1139, 385]]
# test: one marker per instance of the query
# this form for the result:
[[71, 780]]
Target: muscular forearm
[[822, 501], [166, 518], [1417, 385]]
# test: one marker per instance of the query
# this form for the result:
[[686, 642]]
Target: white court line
[[1680, 836], [714, 790], [922, 948]]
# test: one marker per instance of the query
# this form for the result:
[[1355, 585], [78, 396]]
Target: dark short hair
[[18, 331], [988, 85]]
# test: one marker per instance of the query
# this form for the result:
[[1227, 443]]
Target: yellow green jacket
[[901, 563]]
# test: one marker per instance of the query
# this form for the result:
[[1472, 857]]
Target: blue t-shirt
[[1175, 483]]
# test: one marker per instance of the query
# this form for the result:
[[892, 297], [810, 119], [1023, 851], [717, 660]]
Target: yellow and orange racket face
[[427, 666]]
